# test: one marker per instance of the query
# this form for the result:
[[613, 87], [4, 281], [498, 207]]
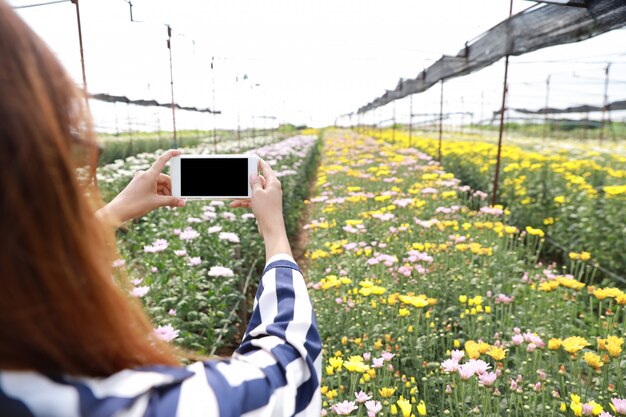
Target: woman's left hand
[[147, 191]]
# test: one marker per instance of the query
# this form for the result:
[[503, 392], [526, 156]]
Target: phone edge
[[175, 176]]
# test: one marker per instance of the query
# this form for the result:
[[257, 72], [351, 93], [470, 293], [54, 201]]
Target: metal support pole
[[129, 122], [238, 121], [462, 113], [117, 127], [411, 121], [482, 106], [252, 112], [494, 193], [545, 111], [82, 54], [393, 128], [213, 109], [130, 6], [606, 101], [158, 126], [440, 122], [169, 47]]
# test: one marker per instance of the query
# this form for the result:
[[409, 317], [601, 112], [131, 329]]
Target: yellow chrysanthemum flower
[[335, 362], [593, 360], [614, 346], [573, 256], [534, 232], [554, 344], [597, 409], [405, 407], [386, 392], [497, 353], [472, 349], [574, 344], [421, 408]]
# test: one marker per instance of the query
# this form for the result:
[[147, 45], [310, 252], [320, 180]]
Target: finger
[[164, 186], [266, 169], [255, 183], [163, 160], [263, 181], [170, 201], [164, 191], [164, 179], [240, 204], [268, 172]]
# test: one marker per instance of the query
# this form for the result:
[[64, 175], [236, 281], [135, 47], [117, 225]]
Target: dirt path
[[301, 240]]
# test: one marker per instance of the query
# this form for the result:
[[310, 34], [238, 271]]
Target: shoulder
[[132, 392]]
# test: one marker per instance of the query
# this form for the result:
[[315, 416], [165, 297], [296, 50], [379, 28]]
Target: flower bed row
[[193, 266], [577, 196], [429, 307]]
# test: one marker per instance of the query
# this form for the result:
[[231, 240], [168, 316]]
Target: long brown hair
[[61, 310]]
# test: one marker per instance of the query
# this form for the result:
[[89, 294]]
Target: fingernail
[[181, 203], [254, 177]]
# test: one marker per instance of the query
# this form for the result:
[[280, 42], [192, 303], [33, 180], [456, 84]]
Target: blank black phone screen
[[214, 177]]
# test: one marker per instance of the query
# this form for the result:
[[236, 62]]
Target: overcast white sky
[[312, 60]]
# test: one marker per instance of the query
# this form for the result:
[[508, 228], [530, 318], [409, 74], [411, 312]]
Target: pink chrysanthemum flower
[[166, 333], [344, 408]]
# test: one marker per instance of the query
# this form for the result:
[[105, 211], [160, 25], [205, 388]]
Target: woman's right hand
[[267, 206]]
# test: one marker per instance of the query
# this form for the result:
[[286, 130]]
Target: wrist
[[113, 213], [275, 231]]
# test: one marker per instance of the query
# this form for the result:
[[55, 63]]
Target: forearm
[[276, 243]]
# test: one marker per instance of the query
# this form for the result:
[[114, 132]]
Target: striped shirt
[[275, 371]]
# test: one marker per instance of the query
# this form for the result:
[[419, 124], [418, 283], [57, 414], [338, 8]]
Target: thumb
[[255, 183], [168, 200]]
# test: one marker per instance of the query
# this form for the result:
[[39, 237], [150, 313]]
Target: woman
[[71, 341]]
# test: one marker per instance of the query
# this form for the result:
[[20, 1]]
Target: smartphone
[[216, 177]]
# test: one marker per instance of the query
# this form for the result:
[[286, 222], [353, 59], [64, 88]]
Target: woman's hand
[[267, 206], [147, 191]]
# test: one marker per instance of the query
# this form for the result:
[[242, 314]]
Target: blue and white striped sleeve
[[276, 370]]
